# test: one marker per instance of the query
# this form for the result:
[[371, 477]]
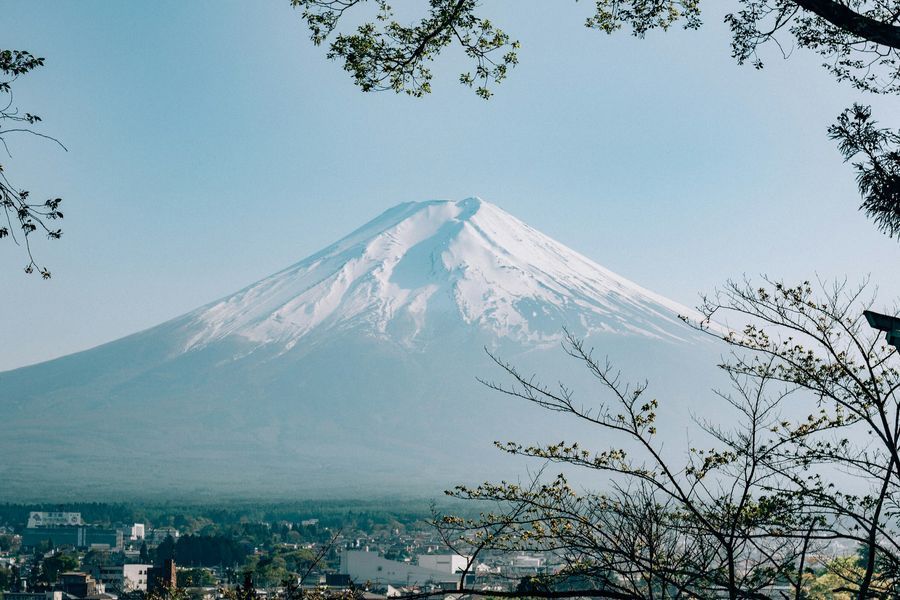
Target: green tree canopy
[[56, 564], [858, 40]]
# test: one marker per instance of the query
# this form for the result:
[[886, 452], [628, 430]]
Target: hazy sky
[[210, 144]]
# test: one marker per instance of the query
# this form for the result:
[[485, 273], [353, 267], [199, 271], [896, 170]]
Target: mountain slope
[[352, 369]]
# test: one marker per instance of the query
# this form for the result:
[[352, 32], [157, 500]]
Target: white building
[[446, 563], [368, 566], [527, 562], [137, 531], [123, 578], [135, 577]]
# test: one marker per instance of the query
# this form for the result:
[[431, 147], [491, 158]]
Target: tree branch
[[847, 19]]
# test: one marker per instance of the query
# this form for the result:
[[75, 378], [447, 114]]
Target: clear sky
[[210, 144]]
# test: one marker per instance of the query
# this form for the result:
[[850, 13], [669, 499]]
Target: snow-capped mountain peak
[[420, 263]]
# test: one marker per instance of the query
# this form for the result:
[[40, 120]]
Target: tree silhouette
[[23, 217]]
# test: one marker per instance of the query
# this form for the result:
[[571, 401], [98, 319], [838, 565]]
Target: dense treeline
[[203, 551], [210, 520]]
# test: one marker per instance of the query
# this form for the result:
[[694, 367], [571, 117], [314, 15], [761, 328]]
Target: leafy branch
[[23, 218]]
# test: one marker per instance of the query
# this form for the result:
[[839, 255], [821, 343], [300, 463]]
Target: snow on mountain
[[421, 261]]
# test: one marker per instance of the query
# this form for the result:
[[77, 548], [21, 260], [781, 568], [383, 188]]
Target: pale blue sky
[[210, 144]]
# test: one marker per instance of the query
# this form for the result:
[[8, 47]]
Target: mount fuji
[[352, 370]]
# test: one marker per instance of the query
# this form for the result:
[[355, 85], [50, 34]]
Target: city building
[[67, 529], [162, 578], [368, 566], [137, 532], [83, 586], [54, 519], [123, 578], [76, 536], [527, 562], [339, 580], [56, 595], [446, 563]]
